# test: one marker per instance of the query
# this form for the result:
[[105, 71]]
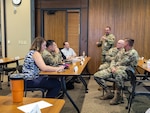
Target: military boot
[[108, 95], [117, 98]]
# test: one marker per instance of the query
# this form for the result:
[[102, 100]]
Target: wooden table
[[5, 61], [142, 64], [70, 72], [10, 60], [7, 106]]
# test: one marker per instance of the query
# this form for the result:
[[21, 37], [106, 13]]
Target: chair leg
[[8, 81], [2, 77], [9, 77], [25, 93], [43, 94], [131, 96], [0, 82], [114, 86], [122, 100], [130, 102], [103, 92]]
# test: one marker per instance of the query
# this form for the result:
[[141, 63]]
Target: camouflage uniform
[[122, 61], [106, 45], [110, 55], [51, 58]]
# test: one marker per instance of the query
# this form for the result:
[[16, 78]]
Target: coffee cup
[[17, 87]]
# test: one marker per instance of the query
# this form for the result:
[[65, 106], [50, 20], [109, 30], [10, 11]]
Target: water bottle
[[83, 54]]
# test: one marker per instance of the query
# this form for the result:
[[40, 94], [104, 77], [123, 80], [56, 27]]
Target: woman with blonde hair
[[32, 66]]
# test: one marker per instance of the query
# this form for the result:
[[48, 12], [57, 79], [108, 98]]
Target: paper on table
[[28, 107], [148, 111], [35, 109]]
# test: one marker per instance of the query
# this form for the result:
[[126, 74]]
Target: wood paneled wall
[[127, 18], [74, 30]]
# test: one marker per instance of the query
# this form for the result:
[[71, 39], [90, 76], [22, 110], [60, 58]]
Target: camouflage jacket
[[126, 59], [107, 44], [51, 58], [110, 55]]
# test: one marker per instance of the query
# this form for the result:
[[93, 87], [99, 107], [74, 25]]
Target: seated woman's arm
[[41, 64]]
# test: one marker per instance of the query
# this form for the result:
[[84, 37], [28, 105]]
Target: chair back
[[19, 68], [63, 56], [132, 79], [131, 76]]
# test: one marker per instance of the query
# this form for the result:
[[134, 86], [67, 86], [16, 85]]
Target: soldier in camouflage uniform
[[106, 42], [124, 60], [110, 55], [51, 55]]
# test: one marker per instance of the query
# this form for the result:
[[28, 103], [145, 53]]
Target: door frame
[[83, 38]]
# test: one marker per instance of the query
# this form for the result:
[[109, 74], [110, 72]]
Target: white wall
[[18, 28]]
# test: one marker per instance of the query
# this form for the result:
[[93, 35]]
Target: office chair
[[26, 89], [138, 87], [63, 56], [8, 71]]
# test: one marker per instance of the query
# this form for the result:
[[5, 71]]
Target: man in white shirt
[[67, 51]]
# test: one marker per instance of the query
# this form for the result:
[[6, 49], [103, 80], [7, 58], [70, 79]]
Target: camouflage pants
[[119, 76], [104, 66]]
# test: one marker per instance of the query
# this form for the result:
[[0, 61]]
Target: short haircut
[[130, 41], [49, 42], [64, 42]]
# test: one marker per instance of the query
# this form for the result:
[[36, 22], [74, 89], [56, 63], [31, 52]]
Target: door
[[63, 26], [55, 26], [74, 29]]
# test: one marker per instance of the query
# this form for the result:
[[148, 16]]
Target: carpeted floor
[[90, 102], [93, 104]]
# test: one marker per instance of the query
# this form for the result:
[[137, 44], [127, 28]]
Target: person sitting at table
[[68, 51], [33, 64], [123, 60], [52, 55], [69, 54]]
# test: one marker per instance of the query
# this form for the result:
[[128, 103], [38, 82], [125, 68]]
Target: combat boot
[[108, 95], [117, 98]]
